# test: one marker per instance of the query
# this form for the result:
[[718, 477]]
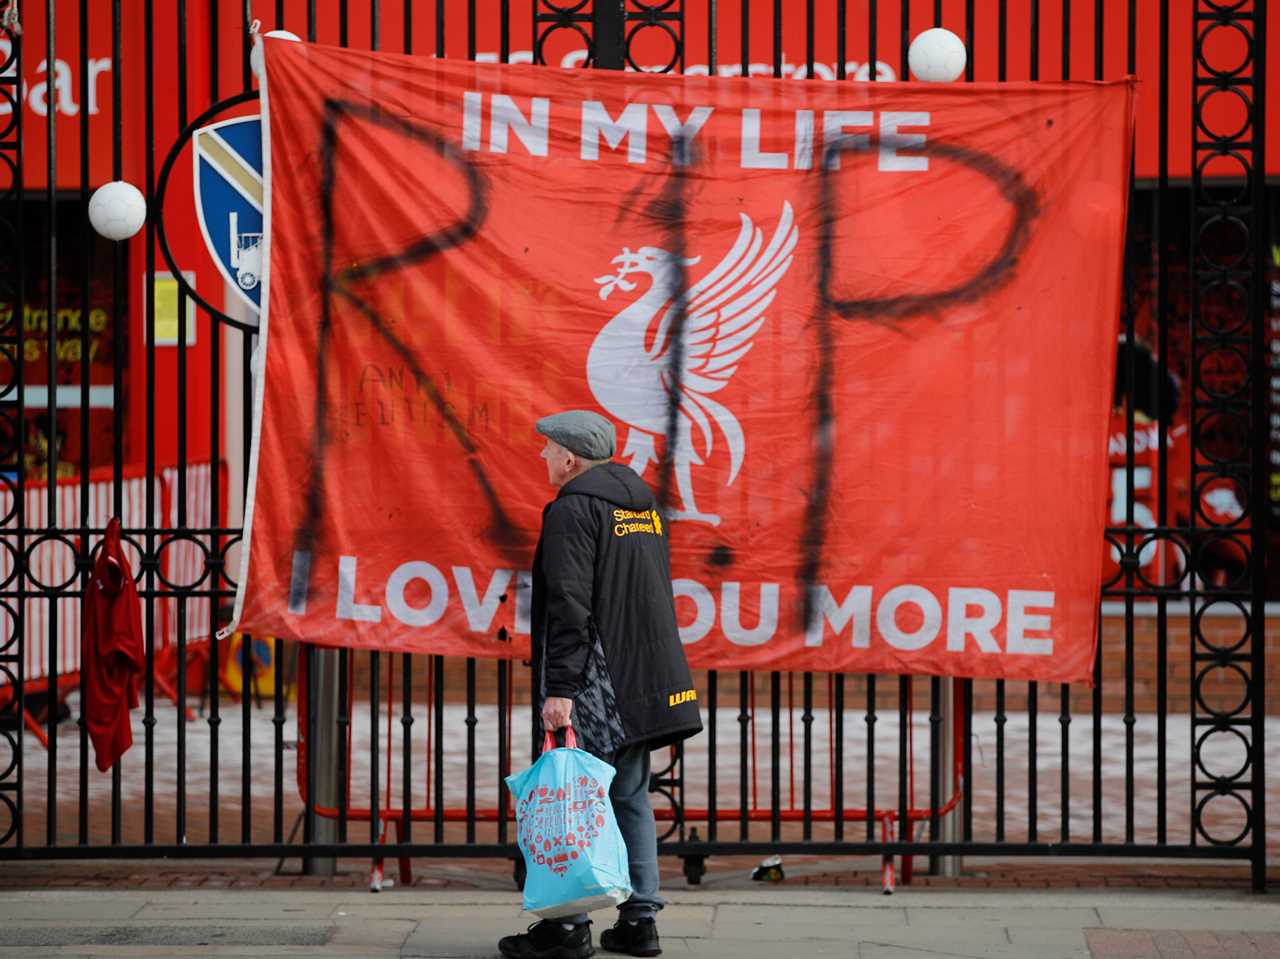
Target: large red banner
[[861, 337]]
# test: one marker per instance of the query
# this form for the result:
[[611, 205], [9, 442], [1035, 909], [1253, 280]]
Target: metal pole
[[950, 865], [322, 756], [609, 39]]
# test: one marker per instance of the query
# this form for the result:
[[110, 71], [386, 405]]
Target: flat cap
[[583, 432]]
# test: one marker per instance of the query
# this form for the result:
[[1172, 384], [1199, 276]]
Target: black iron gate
[[1161, 754]]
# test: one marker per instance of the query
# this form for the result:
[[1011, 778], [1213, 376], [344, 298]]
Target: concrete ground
[[716, 923]]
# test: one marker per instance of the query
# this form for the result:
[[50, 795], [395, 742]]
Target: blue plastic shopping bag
[[575, 858]]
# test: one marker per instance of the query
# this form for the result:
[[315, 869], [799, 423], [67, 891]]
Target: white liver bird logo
[[629, 365]]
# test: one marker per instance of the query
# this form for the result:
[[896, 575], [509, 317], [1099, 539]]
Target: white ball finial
[[255, 55], [937, 56], [117, 210]]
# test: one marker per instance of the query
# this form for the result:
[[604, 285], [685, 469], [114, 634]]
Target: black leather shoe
[[640, 939], [549, 939]]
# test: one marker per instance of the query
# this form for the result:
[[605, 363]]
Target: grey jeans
[[630, 797]]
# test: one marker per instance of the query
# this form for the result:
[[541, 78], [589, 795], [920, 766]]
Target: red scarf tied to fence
[[113, 651]]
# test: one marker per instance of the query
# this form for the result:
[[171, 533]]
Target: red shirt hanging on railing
[[113, 651]]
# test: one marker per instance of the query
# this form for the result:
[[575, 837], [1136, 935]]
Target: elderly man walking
[[607, 658]]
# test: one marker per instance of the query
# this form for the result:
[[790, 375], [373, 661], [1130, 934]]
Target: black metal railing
[[248, 768]]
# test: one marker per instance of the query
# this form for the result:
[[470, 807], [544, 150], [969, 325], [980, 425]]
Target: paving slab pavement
[[765, 923]]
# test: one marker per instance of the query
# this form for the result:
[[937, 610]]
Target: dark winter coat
[[603, 615]]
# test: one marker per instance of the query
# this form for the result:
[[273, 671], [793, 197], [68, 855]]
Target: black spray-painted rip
[[887, 310], [340, 284], [670, 211]]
